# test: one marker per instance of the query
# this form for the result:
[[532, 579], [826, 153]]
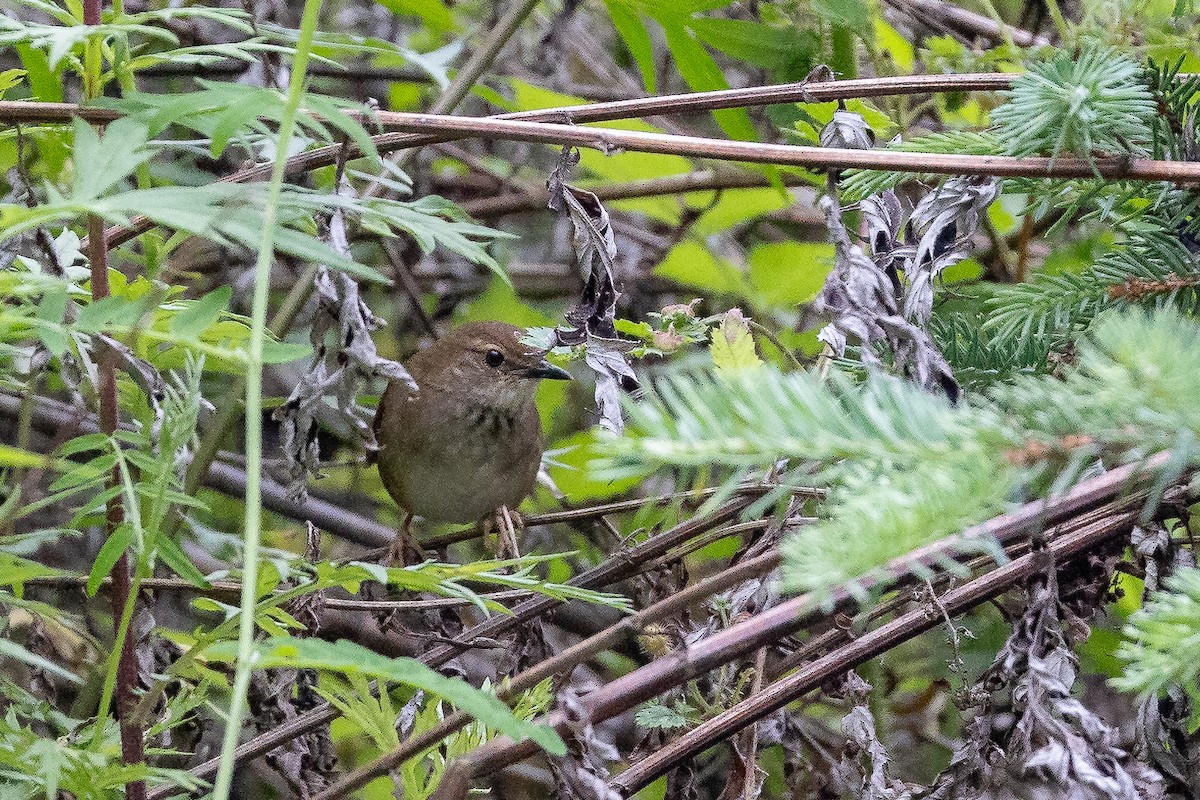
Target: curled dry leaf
[[887, 298], [594, 317], [341, 372], [1033, 735], [582, 774], [859, 300]]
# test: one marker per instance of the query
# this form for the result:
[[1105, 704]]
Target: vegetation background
[[876, 481]]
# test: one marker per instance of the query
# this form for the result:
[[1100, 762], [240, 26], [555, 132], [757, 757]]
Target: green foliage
[[1152, 267], [350, 659], [664, 717], [1162, 647], [420, 775], [910, 469], [979, 358], [1094, 102], [732, 347]]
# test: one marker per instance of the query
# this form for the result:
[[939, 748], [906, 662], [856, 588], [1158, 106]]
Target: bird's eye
[[494, 358]]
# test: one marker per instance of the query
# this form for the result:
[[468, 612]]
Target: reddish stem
[[132, 750]]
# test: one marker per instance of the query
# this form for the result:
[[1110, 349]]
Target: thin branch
[[688, 103], [1113, 522], [701, 180], [561, 664], [616, 568], [787, 618], [608, 140]]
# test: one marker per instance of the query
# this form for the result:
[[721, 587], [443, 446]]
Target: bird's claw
[[500, 532]]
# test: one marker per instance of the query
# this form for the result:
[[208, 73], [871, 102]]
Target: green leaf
[[333, 113], [199, 314], [852, 14], [633, 33], [276, 352], [114, 311], [51, 310], [785, 274], [348, 658], [432, 12], [692, 264], [11, 649], [733, 345], [758, 44], [174, 557], [703, 75], [10, 78], [44, 85], [103, 162], [110, 553], [15, 570], [17, 458]]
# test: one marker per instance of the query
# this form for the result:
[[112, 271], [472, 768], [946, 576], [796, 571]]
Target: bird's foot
[[500, 533], [405, 549]]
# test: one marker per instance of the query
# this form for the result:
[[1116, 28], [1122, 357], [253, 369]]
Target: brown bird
[[468, 442]]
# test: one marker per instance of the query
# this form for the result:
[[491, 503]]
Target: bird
[[467, 442]]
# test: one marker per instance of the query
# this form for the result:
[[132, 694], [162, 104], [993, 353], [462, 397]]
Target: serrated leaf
[[733, 345], [657, 715]]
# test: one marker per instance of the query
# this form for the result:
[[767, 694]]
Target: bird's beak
[[546, 371]]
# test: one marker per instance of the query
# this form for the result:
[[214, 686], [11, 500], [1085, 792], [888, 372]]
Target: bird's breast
[[459, 463]]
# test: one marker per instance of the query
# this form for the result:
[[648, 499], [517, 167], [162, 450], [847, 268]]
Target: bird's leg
[[500, 533], [405, 548]]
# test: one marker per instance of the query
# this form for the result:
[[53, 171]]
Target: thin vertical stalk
[[254, 368], [132, 745]]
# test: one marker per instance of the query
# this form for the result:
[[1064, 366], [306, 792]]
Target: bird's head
[[485, 363]]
